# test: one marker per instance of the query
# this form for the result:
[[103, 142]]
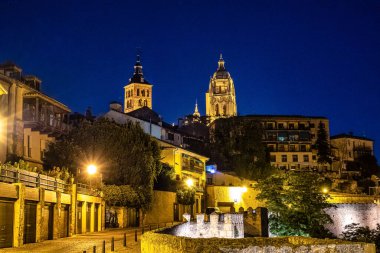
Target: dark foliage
[[296, 203], [236, 145], [322, 145]]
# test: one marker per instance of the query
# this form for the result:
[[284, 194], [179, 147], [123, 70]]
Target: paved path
[[80, 243]]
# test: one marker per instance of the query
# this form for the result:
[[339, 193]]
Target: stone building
[[348, 148], [138, 92], [220, 97], [29, 119]]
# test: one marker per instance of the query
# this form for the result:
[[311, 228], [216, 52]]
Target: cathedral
[[220, 97]]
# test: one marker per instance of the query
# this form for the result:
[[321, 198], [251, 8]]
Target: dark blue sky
[[317, 58]]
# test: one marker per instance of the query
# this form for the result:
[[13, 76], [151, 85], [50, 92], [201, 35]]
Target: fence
[[9, 174]]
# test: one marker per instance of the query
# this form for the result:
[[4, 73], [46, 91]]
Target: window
[[145, 103], [291, 125], [304, 136], [293, 137], [314, 157], [29, 149], [224, 110], [281, 147], [282, 136], [271, 148], [295, 158], [217, 110], [303, 148], [349, 154], [273, 158], [270, 125], [138, 92], [143, 93], [284, 158], [306, 158], [171, 136], [281, 126], [147, 93], [301, 126], [312, 125], [140, 102], [292, 148]]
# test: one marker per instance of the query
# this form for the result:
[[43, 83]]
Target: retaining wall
[[159, 241]]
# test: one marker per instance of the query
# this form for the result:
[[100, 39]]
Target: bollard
[[125, 240], [135, 235], [113, 244], [94, 249], [104, 247]]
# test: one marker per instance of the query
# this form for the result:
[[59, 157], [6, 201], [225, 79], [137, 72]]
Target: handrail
[[9, 174]]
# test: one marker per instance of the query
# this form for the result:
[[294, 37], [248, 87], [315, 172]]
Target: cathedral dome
[[221, 72]]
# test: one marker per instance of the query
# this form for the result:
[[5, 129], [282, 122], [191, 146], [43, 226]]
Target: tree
[[186, 196], [322, 145], [124, 154], [165, 180], [296, 204], [236, 144], [356, 233]]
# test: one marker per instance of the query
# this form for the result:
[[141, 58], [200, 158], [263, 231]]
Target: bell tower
[[138, 92], [220, 97]]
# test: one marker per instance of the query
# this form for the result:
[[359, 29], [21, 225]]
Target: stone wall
[[231, 227], [345, 214], [159, 241]]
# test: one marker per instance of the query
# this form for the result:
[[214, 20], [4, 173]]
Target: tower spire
[[196, 112], [221, 63]]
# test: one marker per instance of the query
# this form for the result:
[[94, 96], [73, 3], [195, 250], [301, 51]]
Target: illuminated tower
[[138, 92], [220, 97]]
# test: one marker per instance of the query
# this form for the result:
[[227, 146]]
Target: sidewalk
[[81, 243]]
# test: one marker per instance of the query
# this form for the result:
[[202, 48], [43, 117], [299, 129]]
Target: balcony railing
[[9, 174]]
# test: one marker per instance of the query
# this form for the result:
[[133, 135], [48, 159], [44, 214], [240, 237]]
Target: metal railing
[[88, 190], [9, 174]]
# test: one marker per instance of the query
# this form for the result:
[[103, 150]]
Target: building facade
[[347, 148], [138, 92], [220, 97], [290, 139], [29, 119]]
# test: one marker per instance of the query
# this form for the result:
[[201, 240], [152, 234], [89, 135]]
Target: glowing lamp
[[325, 190], [189, 182], [91, 169]]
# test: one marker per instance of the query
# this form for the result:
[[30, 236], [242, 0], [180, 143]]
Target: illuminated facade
[[347, 148], [290, 139], [29, 119], [220, 97], [138, 92]]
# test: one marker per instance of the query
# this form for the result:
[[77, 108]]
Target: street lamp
[[189, 182], [91, 169], [325, 190]]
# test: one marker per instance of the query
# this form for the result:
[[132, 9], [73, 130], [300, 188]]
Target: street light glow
[[189, 182], [91, 169], [325, 190]]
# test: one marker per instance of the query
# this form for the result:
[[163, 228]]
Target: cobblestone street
[[81, 243]]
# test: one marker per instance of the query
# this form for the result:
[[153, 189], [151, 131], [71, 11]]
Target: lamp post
[[91, 170]]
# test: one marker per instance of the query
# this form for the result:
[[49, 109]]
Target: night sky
[[319, 58]]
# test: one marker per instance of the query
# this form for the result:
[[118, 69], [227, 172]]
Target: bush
[[356, 233]]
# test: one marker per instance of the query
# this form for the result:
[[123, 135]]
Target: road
[[81, 243]]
